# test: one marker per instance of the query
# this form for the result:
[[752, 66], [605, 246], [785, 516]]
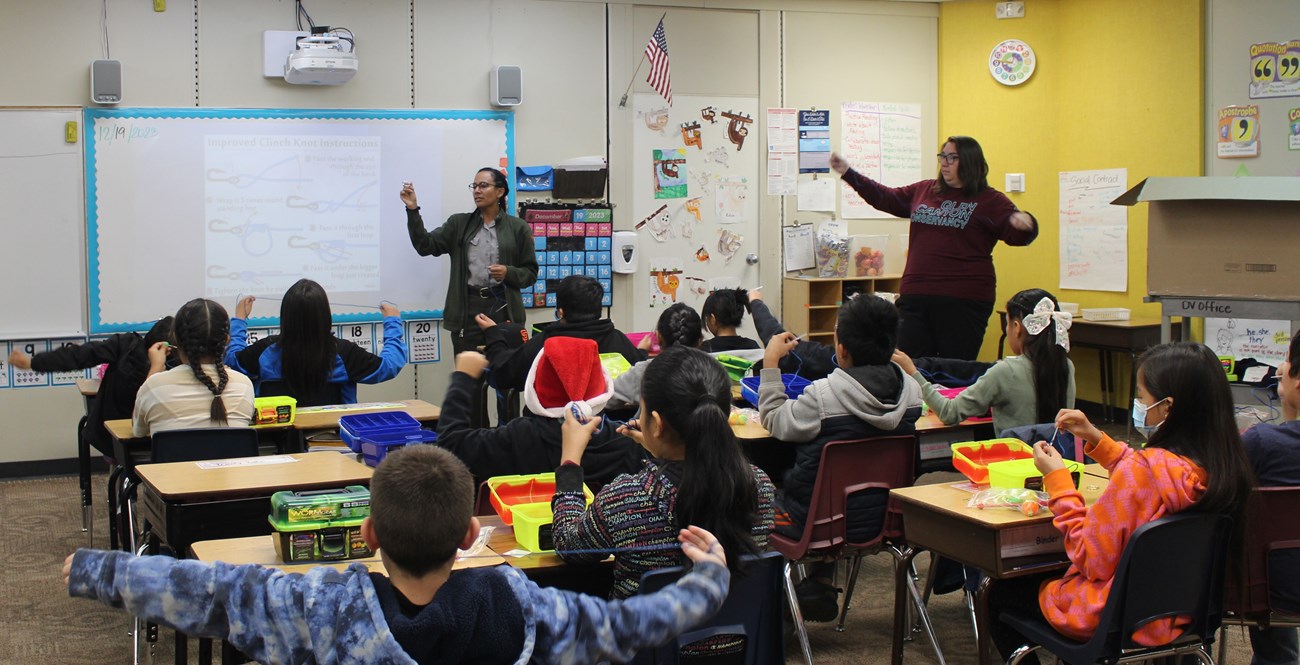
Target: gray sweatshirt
[[1008, 387], [843, 393]]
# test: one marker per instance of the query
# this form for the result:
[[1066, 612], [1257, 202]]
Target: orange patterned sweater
[[1144, 485]]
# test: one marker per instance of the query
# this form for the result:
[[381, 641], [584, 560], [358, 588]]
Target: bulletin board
[[219, 203], [694, 200]]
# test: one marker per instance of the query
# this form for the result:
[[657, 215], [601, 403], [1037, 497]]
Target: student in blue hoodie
[[421, 503], [306, 361]]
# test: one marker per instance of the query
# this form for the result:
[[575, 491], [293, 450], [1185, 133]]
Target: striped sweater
[[1145, 485], [633, 511]]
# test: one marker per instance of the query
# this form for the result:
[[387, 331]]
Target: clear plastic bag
[[1028, 502]]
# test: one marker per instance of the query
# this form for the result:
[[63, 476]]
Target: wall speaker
[[506, 86], [106, 81]]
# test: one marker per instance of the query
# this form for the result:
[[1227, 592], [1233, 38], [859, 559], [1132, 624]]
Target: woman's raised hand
[[408, 196]]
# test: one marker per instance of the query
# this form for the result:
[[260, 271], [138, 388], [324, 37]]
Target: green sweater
[[515, 244], [1008, 387]]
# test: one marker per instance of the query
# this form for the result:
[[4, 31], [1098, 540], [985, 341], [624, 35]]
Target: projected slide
[[184, 203]]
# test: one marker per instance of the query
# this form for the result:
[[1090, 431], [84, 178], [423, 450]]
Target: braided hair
[[202, 329], [679, 324]]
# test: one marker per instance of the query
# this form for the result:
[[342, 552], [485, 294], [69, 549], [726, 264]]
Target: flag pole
[[622, 102]]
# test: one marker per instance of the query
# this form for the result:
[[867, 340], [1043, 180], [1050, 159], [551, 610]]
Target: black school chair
[[1173, 566], [181, 445], [752, 609]]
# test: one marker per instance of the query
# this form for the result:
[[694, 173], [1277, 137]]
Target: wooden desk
[[503, 540], [261, 551], [185, 503], [88, 387], [120, 430], [925, 424], [1001, 542]]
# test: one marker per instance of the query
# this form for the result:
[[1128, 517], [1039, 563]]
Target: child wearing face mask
[[1193, 458]]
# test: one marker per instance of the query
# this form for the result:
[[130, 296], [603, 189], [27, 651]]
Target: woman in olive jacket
[[492, 258]]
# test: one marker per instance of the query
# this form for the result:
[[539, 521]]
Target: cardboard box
[[1221, 237]]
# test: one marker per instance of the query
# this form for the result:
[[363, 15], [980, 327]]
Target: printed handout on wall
[[670, 173], [883, 142], [665, 280], [1094, 233], [730, 200], [1275, 69], [1293, 135], [1265, 341], [1238, 132]]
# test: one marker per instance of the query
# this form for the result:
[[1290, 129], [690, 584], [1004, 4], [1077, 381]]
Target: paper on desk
[[351, 407], [480, 544], [245, 461], [516, 553]]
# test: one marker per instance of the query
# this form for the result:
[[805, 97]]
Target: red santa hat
[[568, 370]]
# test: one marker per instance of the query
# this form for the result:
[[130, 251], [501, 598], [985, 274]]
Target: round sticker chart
[[1012, 62]]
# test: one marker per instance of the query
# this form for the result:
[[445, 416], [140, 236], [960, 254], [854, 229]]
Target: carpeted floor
[[40, 525]]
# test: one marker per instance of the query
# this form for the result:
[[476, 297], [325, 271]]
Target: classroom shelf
[[810, 304]]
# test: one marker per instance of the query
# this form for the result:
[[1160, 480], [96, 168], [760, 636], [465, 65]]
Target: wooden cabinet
[[810, 304]]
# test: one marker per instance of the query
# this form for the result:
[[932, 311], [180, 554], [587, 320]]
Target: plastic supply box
[[972, 458], [794, 387], [1019, 473], [1104, 313], [314, 505], [373, 435], [737, 368], [525, 503], [320, 525], [278, 410]]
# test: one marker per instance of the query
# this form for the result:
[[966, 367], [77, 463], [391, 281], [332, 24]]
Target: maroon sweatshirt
[[950, 248]]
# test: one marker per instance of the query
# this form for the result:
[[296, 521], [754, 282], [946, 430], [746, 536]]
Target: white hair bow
[[1045, 313]]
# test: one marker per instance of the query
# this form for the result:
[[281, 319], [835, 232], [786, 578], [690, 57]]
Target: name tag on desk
[[1032, 539]]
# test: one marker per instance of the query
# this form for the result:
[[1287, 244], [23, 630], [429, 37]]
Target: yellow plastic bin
[[524, 502], [278, 410], [1018, 473]]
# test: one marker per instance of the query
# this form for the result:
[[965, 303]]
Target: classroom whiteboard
[[219, 203], [41, 190]]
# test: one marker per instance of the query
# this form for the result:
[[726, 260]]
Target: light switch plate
[[1010, 10], [1015, 182]]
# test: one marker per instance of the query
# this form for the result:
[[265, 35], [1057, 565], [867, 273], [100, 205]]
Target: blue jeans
[[1274, 646]]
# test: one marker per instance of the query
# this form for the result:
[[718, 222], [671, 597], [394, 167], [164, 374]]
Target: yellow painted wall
[[1118, 84]]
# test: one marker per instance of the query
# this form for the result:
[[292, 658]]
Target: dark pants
[[471, 338], [941, 326], [1020, 594]]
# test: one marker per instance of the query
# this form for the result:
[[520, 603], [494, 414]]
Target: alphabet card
[[67, 378], [26, 378]]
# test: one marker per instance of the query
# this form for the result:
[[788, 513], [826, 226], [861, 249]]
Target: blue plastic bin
[[376, 447], [358, 426], [794, 387]]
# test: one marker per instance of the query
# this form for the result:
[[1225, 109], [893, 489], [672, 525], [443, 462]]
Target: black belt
[[486, 292]]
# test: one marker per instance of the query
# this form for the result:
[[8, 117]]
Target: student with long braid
[[201, 391]]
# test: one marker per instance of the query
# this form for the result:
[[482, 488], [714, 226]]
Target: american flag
[[657, 52]]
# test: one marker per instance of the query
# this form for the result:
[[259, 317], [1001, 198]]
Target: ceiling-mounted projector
[[322, 59]]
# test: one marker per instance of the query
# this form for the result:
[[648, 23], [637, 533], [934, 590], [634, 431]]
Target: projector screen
[[219, 203]]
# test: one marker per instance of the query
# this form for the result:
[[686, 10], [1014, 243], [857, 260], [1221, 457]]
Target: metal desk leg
[[1105, 384], [985, 639], [83, 480], [901, 624], [1167, 328]]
